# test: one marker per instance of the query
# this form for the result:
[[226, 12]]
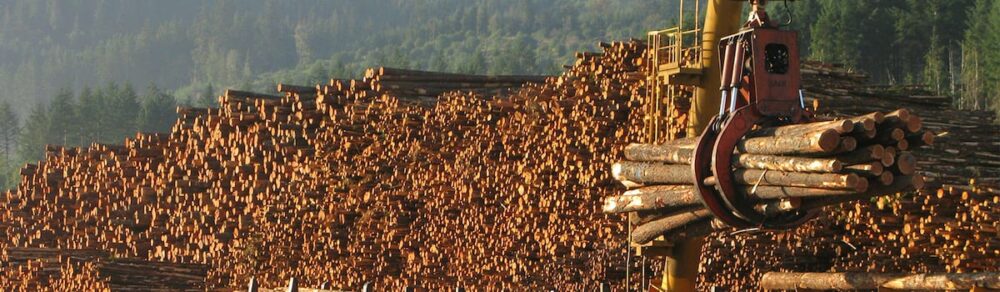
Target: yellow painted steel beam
[[680, 273], [722, 18]]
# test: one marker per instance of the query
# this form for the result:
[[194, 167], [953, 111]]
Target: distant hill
[[189, 44]]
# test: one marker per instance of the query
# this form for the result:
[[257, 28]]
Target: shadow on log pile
[[346, 184], [38, 269]]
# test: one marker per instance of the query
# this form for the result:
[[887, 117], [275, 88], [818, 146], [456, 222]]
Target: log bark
[[682, 155], [899, 184], [288, 88], [461, 78], [788, 163], [652, 198], [644, 173], [647, 232], [679, 154], [840, 126], [823, 281], [777, 192], [945, 281], [819, 142], [797, 179]]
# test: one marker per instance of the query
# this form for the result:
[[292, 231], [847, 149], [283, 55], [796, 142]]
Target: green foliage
[[124, 112], [207, 97], [157, 113], [981, 58], [63, 121], [92, 107], [185, 45], [34, 135], [10, 129], [912, 41]]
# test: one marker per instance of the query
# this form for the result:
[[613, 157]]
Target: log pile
[[33, 269], [345, 184], [782, 169]]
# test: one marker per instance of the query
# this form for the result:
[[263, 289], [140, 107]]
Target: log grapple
[[760, 87]]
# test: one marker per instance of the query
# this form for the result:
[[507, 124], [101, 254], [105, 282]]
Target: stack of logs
[[30, 269], [782, 169], [347, 185], [429, 85]]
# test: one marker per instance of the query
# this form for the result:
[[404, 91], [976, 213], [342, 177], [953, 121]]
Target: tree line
[[102, 115], [951, 47], [184, 45]]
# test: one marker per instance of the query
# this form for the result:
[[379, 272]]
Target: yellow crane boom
[[722, 18]]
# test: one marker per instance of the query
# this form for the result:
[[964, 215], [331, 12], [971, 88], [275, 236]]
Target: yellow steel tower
[[683, 97]]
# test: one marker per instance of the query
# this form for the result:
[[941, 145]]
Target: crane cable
[[788, 11]]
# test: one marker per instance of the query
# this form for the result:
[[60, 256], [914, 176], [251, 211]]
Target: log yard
[[708, 156]]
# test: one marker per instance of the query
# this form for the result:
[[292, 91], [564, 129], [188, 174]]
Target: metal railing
[[669, 47]]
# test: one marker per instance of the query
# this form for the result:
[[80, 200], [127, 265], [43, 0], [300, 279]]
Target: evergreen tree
[[396, 58], [125, 113], [92, 115], [302, 49], [980, 71], [107, 120], [207, 97], [991, 68], [836, 32], [10, 128], [803, 15], [438, 63], [941, 66], [63, 122], [8, 174], [513, 57], [157, 114], [473, 63], [31, 143]]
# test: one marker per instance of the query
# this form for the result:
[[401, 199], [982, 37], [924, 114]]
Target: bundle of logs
[[801, 166], [27, 269]]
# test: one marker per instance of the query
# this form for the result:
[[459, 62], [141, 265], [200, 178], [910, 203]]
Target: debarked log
[[682, 154]]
